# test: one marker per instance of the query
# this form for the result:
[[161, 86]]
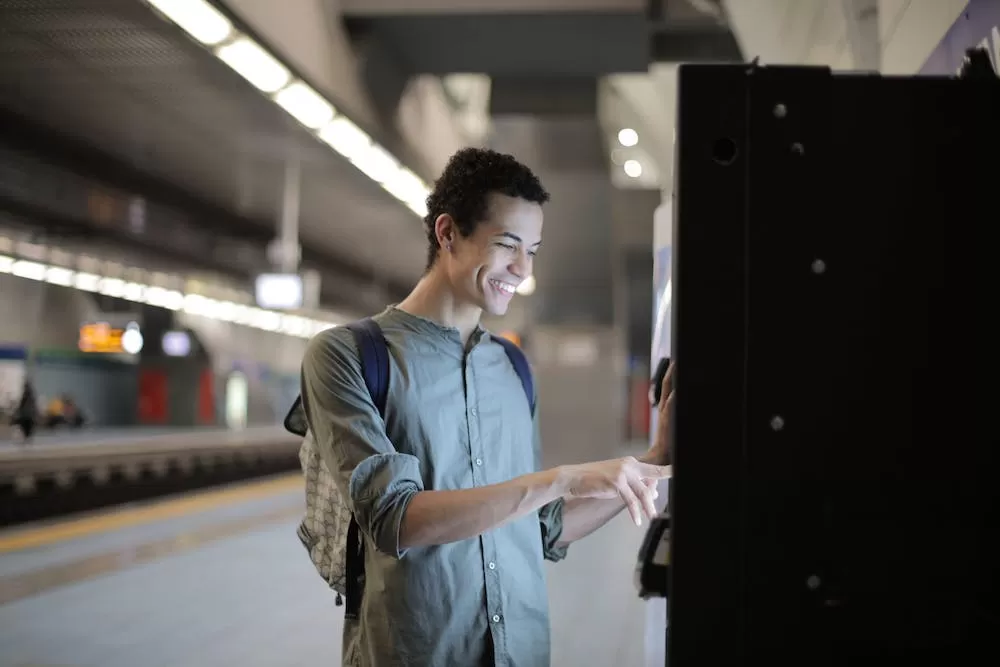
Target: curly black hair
[[464, 187]]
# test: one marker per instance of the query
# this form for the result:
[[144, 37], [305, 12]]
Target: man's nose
[[521, 266]]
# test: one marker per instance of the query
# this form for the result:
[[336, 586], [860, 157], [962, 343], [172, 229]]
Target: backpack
[[328, 530]]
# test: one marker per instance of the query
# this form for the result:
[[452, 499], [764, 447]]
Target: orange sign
[[100, 337], [512, 337]]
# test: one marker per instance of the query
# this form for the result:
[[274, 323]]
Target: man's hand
[[627, 478], [660, 453]]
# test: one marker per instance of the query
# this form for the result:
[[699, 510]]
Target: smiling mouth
[[506, 288]]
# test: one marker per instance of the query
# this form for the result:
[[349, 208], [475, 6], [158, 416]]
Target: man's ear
[[445, 230]]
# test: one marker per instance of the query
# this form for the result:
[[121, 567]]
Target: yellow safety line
[[157, 511]]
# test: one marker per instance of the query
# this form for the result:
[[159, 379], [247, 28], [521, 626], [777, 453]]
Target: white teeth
[[503, 287]]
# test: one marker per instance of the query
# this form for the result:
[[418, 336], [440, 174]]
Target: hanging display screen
[[102, 338]]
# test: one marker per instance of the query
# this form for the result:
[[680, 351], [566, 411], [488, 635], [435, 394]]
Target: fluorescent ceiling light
[[113, 287], [418, 206], [409, 189], [306, 105], [633, 168], [377, 164], [405, 185], [346, 138], [26, 269], [164, 298], [267, 73], [59, 276], [87, 282], [198, 18], [255, 65], [134, 292], [628, 137], [193, 304]]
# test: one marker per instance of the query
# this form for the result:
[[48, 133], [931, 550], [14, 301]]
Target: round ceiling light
[[132, 339], [633, 169], [628, 137]]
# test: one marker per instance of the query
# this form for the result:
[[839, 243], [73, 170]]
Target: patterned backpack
[[328, 530]]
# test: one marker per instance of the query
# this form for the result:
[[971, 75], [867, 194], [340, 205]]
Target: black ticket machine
[[653, 565], [834, 498]]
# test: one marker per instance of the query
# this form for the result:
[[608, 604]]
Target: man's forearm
[[582, 516], [441, 517]]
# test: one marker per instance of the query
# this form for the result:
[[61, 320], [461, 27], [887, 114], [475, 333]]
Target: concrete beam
[[544, 96], [397, 7], [525, 44], [862, 21]]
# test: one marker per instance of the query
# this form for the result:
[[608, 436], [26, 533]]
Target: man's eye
[[506, 245]]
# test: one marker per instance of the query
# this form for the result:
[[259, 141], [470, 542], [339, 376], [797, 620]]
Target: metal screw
[[819, 266], [813, 582], [798, 148], [777, 423], [780, 110]]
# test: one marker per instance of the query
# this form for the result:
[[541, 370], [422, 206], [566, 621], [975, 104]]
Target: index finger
[[667, 385], [650, 471], [667, 404]]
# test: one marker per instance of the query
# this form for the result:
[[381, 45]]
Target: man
[[456, 515]]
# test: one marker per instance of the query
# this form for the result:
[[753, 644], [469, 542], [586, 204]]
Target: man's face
[[488, 266]]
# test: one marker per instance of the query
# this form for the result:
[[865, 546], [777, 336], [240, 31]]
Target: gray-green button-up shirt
[[456, 417]]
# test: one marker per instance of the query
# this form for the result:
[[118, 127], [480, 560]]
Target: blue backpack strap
[[374, 353], [521, 367]]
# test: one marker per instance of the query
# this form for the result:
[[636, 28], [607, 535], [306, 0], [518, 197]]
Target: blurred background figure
[[25, 416], [63, 411]]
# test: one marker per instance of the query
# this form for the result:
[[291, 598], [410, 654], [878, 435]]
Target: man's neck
[[433, 299]]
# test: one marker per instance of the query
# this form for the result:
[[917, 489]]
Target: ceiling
[[114, 75]]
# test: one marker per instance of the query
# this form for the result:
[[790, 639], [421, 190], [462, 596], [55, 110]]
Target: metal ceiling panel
[[113, 74], [516, 45]]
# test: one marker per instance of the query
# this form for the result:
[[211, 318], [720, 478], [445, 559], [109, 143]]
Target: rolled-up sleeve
[[377, 481], [550, 517]]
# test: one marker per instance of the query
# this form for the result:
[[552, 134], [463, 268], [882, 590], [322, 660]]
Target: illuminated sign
[[176, 344], [102, 338], [279, 291]]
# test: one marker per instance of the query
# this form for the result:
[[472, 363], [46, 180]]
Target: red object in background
[[152, 396], [206, 397], [639, 408]]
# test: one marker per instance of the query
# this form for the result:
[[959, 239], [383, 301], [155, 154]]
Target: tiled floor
[[229, 584]]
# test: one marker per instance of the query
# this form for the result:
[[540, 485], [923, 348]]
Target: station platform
[[219, 578], [83, 436], [87, 470], [66, 457], [52, 443]]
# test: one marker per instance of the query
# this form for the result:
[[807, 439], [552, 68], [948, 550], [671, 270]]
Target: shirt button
[[473, 412], [479, 462], [496, 618], [493, 566]]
